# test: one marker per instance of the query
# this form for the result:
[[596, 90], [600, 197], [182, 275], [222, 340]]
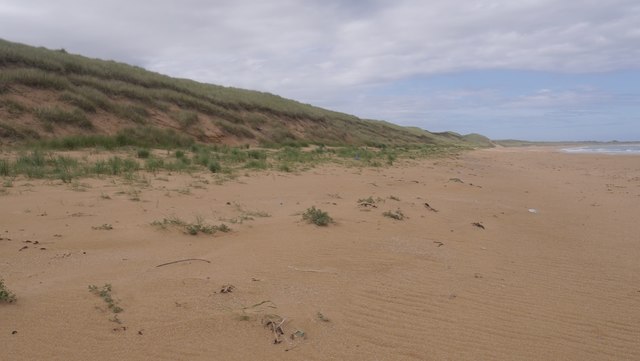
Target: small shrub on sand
[[105, 293], [5, 294], [4, 167], [317, 217], [200, 227], [397, 215], [256, 164], [215, 167], [143, 153], [366, 201], [191, 228]]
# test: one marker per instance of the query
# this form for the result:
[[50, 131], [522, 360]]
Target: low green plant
[[186, 118], [368, 200], [186, 191], [199, 227], [223, 228], [36, 78], [141, 136], [397, 215], [79, 101], [317, 216], [132, 112], [191, 228], [105, 293], [5, 294], [4, 167], [214, 166], [256, 164], [31, 164], [143, 153], [103, 227], [285, 167], [17, 132], [13, 107], [115, 166], [57, 115], [65, 168], [246, 215], [165, 222], [257, 154], [237, 130], [154, 164]]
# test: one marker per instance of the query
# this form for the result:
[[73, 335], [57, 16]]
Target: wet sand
[[554, 274]]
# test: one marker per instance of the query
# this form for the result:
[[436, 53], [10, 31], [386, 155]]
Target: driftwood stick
[[183, 260], [311, 270]]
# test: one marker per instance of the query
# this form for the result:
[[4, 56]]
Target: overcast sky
[[527, 69]]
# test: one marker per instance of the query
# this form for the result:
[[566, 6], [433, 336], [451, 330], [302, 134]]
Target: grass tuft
[[214, 166], [397, 215], [191, 228], [186, 118], [105, 293], [143, 153], [4, 168], [6, 295], [317, 216], [57, 115]]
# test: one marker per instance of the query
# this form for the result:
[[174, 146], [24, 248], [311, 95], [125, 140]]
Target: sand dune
[[562, 283]]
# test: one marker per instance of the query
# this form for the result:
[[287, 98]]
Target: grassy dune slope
[[48, 94]]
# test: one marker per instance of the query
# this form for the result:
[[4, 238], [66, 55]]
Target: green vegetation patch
[[143, 137], [13, 107], [317, 216], [199, 226], [397, 215], [57, 115], [186, 118], [6, 295], [104, 292]]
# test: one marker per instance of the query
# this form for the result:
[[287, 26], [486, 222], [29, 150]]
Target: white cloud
[[546, 98], [330, 44]]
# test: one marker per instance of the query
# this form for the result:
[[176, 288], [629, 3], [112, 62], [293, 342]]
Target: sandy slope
[[559, 284]]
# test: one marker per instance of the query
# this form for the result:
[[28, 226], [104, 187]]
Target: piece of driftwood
[[183, 260], [228, 288], [427, 206], [312, 270], [275, 324]]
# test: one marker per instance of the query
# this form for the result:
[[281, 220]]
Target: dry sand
[[559, 284]]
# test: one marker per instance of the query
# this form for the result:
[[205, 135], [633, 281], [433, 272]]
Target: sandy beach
[[520, 254]]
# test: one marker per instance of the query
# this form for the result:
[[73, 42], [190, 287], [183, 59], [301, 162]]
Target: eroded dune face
[[560, 283]]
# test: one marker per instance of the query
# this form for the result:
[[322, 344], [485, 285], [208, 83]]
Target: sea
[[606, 149]]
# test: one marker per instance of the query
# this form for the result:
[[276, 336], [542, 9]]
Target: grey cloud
[[335, 43], [326, 51]]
